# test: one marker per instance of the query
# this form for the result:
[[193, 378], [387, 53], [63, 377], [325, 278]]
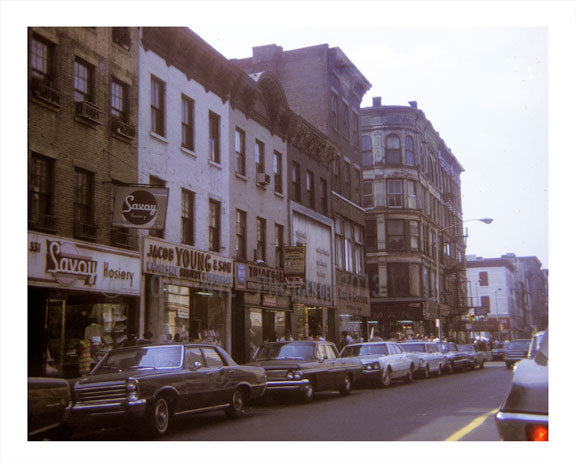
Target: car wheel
[[237, 403], [449, 368], [481, 365], [509, 365], [159, 417], [385, 378], [410, 376], [347, 386], [308, 394], [427, 371]]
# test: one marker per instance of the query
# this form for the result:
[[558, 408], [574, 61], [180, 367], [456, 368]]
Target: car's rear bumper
[[512, 426]]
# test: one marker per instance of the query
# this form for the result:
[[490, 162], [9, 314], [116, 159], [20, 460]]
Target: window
[[296, 181], [393, 152], [157, 182], [355, 129], [41, 58], [40, 192], [395, 237], [82, 81], [394, 193], [339, 242], [345, 121], [278, 172], [323, 196], [483, 279], [157, 106], [485, 302], [213, 359], [279, 245], [187, 122], [214, 226], [187, 217], [241, 234], [240, 149], [84, 205], [334, 110], [412, 200], [347, 180], [121, 36], [414, 235], [260, 239], [373, 279], [349, 246], [367, 158], [259, 152], [336, 174], [357, 181], [118, 103], [410, 158], [214, 136], [358, 249], [310, 189], [398, 280], [368, 194], [371, 234]]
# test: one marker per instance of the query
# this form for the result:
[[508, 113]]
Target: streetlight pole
[[485, 221], [498, 316]]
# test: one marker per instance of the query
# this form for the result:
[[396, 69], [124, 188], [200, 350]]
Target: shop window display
[[79, 335]]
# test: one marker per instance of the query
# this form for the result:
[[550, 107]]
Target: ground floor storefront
[[83, 300], [403, 320]]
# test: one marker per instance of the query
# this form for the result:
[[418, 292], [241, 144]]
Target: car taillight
[[537, 433]]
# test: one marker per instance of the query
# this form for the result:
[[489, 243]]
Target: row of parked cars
[[155, 383]]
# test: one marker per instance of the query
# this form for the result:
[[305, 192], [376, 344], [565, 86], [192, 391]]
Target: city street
[[451, 407]]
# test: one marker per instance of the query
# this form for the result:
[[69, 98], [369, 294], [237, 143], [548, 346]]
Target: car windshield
[[366, 349], [413, 347], [277, 351], [448, 347], [519, 345], [142, 357]]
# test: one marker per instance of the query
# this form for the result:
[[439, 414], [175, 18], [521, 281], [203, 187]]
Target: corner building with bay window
[[412, 198]]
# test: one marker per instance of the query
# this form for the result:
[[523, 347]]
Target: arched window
[[410, 159], [393, 152]]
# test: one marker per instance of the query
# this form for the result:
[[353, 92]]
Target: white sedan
[[381, 362], [428, 356]]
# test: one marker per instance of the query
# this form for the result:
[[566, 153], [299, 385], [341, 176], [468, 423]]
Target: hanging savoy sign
[[140, 206]]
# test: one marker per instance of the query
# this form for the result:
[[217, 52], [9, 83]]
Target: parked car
[[524, 413], [48, 405], [535, 343], [478, 356], [429, 358], [516, 351], [498, 351], [151, 384], [305, 367], [381, 362], [455, 359]]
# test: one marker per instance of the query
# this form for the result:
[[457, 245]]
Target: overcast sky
[[484, 89]]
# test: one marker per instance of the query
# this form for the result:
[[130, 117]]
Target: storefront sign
[[186, 263], [352, 300], [82, 266], [259, 278], [295, 263], [396, 311], [140, 206]]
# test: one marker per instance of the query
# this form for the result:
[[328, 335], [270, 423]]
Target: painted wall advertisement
[[141, 207], [76, 265]]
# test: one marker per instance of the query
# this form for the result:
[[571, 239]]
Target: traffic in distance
[[149, 386]]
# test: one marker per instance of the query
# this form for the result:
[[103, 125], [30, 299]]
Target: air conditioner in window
[[262, 179]]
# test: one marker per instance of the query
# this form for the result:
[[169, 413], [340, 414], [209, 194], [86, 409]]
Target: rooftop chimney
[[413, 104], [376, 101]]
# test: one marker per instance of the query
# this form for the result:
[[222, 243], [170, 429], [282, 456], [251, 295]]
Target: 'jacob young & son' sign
[[186, 263]]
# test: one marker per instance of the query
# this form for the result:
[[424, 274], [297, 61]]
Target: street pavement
[[455, 407]]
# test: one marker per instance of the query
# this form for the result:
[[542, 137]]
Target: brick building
[[325, 88], [83, 273]]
